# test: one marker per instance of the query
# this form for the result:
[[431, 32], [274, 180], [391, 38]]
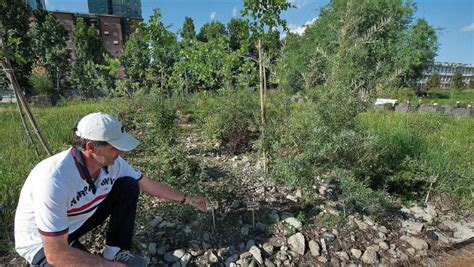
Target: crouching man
[[67, 195]]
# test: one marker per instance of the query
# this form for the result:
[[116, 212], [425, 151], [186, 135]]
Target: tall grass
[[417, 146]]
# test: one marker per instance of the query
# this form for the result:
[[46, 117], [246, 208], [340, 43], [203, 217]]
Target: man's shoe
[[125, 256]]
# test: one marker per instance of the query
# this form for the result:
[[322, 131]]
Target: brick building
[[112, 29]]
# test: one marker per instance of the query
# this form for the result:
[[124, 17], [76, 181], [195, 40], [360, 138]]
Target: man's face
[[106, 155]]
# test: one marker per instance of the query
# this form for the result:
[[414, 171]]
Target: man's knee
[[127, 185]]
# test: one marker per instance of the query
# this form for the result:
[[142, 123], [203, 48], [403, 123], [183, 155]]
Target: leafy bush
[[301, 146], [359, 197], [42, 83], [227, 117]]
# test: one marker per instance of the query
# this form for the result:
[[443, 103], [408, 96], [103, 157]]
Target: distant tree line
[[365, 44]]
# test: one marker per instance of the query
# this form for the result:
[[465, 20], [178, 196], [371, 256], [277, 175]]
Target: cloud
[[235, 12], [48, 5], [299, 3], [213, 15], [468, 28], [300, 29]]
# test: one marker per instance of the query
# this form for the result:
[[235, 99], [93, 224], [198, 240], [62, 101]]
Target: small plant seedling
[[253, 206], [212, 206]]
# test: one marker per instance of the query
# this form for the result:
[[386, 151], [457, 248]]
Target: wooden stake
[[7, 68], [25, 126], [261, 71]]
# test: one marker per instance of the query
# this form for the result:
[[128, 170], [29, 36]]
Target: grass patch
[[416, 146]]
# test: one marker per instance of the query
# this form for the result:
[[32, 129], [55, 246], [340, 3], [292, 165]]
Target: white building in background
[[34, 4], [446, 71]]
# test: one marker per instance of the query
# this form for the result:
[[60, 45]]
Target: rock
[[322, 259], [420, 213], [235, 205], [375, 248], [244, 231], [167, 224], [430, 209], [356, 253], [324, 248], [362, 225], [343, 256], [411, 251], [369, 257], [297, 243], [412, 227], [383, 229], [416, 243], [250, 244], [299, 193], [285, 215], [257, 254], [246, 255], [314, 248], [292, 198], [231, 259], [261, 227], [185, 259], [205, 245], [384, 245], [206, 237], [322, 191], [276, 241], [152, 249], [293, 222], [462, 231], [274, 216], [156, 221], [162, 250], [268, 248], [431, 234], [329, 237], [211, 257], [269, 263], [174, 256], [368, 221]]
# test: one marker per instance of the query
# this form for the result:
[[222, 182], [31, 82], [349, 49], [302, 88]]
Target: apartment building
[[34, 4], [121, 8], [112, 29], [446, 71]]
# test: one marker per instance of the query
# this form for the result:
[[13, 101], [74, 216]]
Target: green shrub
[[358, 196], [229, 118], [301, 146]]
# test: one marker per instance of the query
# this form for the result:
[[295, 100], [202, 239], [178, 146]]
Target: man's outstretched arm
[[59, 253], [165, 191]]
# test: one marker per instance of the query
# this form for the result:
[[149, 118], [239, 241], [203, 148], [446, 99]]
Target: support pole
[[20, 98]]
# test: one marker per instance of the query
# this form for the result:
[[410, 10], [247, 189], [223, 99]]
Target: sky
[[454, 19]]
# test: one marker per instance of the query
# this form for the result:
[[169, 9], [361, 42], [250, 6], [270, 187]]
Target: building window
[[114, 33], [106, 32], [67, 21], [116, 42], [106, 24]]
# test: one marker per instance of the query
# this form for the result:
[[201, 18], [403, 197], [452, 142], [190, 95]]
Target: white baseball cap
[[103, 127]]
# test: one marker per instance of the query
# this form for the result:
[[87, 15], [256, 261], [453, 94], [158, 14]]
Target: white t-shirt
[[55, 199]]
